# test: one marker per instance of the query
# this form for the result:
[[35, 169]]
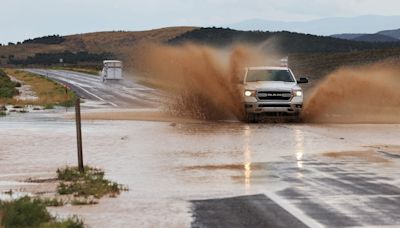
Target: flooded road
[[179, 173]]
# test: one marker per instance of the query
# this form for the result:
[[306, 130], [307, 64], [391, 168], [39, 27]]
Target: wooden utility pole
[[79, 133], [66, 96]]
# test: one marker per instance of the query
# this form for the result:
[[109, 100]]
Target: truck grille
[[274, 95], [274, 105]]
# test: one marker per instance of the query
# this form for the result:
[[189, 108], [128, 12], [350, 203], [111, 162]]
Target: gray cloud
[[21, 19]]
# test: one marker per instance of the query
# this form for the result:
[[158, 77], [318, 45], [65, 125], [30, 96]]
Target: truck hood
[[272, 86]]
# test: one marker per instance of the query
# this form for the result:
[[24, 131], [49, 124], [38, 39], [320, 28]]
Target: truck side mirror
[[239, 80], [302, 80]]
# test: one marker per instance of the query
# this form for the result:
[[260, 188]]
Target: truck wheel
[[295, 118], [251, 118]]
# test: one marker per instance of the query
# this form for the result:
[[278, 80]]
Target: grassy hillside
[[376, 38], [309, 55], [283, 42], [92, 43], [317, 65], [392, 33]]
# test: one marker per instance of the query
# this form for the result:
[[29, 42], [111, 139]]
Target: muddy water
[[363, 94], [203, 82], [167, 165]]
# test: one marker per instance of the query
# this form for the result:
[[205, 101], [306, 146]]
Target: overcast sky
[[22, 19]]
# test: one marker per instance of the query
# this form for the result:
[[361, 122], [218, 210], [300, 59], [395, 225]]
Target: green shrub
[[49, 106], [27, 212], [52, 202], [7, 87], [53, 39], [68, 103], [89, 183], [73, 222], [24, 213], [68, 57]]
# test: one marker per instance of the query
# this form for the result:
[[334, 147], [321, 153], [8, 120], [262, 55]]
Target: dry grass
[[115, 42], [369, 155], [48, 92]]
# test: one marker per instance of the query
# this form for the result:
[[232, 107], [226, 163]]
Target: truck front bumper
[[294, 106], [259, 108]]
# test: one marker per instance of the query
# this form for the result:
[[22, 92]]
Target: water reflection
[[247, 159], [299, 147]]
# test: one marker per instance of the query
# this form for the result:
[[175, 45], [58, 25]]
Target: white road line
[[293, 210], [77, 85], [81, 81], [111, 103]]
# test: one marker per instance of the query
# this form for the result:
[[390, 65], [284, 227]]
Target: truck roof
[[111, 61], [267, 68]]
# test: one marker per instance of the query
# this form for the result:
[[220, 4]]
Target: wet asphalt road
[[242, 211], [115, 93], [319, 192], [214, 174]]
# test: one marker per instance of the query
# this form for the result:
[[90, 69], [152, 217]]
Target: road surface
[[203, 174], [217, 174], [121, 94]]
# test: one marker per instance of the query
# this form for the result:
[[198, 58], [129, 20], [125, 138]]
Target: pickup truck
[[272, 91]]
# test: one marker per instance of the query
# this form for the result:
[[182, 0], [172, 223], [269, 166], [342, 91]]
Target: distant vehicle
[[112, 70], [272, 91]]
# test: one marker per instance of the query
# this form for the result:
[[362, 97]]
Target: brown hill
[[113, 42]]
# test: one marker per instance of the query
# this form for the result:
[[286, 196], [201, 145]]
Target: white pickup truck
[[272, 91]]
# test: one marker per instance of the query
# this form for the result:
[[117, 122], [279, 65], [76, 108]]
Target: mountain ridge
[[382, 36], [324, 26]]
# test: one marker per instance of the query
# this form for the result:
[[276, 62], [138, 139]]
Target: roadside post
[[79, 133], [66, 96]]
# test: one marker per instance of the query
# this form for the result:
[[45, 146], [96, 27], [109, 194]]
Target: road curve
[[121, 93]]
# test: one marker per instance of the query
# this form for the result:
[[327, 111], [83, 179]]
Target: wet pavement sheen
[[171, 168]]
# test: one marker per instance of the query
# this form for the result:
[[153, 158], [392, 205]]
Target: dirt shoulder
[[47, 92]]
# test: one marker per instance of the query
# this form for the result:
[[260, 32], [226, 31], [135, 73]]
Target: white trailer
[[112, 70]]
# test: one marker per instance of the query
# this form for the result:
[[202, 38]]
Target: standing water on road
[[166, 166]]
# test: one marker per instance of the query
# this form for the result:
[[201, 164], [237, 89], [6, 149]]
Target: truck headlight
[[249, 93], [297, 93]]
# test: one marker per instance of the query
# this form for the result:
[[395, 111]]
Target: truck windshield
[[269, 75]]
